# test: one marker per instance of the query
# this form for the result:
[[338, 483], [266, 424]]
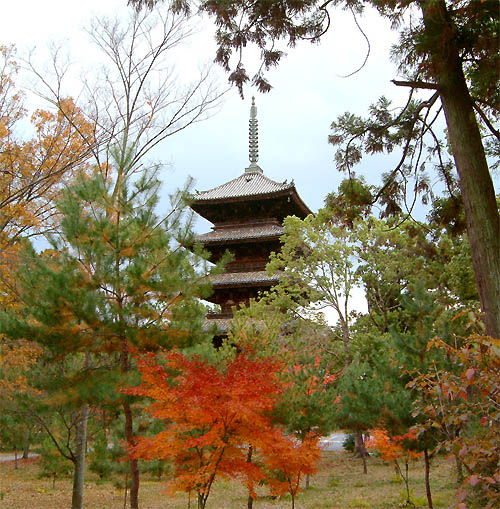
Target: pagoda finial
[[253, 140]]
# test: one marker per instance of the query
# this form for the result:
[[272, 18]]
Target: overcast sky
[[294, 118], [309, 93]]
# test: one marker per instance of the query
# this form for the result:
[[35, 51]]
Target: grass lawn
[[339, 483]]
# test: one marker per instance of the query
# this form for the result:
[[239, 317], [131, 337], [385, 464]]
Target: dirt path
[[7, 456]]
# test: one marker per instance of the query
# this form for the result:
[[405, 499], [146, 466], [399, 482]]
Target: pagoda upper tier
[[252, 195]]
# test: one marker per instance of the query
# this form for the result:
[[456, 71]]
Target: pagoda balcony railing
[[224, 314]]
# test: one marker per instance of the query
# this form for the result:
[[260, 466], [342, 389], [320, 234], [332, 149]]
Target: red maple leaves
[[217, 419]]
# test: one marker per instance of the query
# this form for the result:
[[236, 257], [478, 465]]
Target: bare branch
[[367, 43], [416, 84], [485, 119]]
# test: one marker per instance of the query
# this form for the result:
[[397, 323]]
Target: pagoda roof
[[235, 279], [249, 184], [241, 232], [222, 324], [279, 199]]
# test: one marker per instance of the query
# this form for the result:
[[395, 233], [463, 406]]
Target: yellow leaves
[[3, 130], [33, 170], [16, 358]]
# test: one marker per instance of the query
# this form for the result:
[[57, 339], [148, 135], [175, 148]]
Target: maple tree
[[462, 405], [396, 448], [208, 416], [292, 459], [217, 418]]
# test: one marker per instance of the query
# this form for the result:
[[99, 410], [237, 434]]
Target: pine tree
[[117, 278]]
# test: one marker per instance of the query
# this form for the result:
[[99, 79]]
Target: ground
[[339, 484]]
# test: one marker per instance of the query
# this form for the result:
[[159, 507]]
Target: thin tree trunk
[[125, 492], [15, 459], [249, 460], [407, 482], [134, 467], [427, 478], [460, 470], [360, 449], [308, 478], [79, 463], [201, 501], [476, 185], [26, 444]]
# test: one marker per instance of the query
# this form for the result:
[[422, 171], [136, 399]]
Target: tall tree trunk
[[129, 434], [134, 466], [79, 462], [427, 478], [476, 185]]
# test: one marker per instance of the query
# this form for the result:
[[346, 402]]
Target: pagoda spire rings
[[253, 140]]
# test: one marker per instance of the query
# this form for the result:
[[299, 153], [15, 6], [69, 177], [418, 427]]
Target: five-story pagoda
[[247, 213]]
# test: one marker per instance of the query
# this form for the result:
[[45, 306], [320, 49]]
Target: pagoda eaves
[[252, 194]]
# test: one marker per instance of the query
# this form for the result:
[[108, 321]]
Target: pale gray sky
[[294, 118], [309, 93]]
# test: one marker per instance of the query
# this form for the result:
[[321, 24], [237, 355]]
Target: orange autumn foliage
[[32, 170], [213, 418], [393, 448], [292, 460], [314, 383], [398, 449], [16, 357]]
